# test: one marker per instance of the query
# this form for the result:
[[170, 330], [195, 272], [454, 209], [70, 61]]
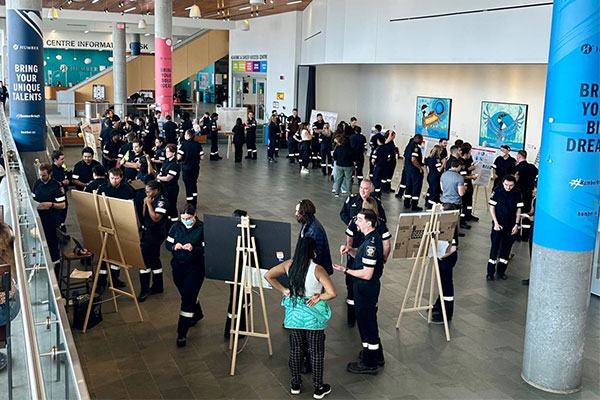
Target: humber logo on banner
[[26, 79]]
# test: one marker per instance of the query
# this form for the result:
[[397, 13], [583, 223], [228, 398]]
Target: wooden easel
[[422, 262], [107, 232], [476, 193], [245, 255]]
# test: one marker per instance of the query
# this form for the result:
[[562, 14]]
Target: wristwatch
[[346, 271]]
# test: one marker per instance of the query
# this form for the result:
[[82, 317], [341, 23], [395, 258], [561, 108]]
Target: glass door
[[261, 85], [238, 91]]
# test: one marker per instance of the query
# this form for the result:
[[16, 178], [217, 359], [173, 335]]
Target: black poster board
[[273, 243]]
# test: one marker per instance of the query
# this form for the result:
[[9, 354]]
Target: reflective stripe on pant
[[378, 174], [414, 184], [360, 164], [434, 190], [188, 278], [402, 186], [171, 193], [151, 245], [250, 141], [366, 295], [190, 181], [326, 158], [214, 144], [502, 242], [446, 266]]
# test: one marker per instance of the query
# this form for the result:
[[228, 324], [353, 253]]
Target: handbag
[[298, 315]]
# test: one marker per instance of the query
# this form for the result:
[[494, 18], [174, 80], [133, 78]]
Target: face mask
[[188, 222]]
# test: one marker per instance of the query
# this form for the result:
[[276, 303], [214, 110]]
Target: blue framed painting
[[433, 117], [503, 124]]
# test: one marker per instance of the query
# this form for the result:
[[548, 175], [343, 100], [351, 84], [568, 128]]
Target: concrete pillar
[[163, 55], [566, 216], [120, 68], [135, 45]]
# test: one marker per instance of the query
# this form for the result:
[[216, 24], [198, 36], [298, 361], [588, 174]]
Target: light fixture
[[245, 8], [291, 3], [86, 31], [53, 30], [142, 24], [110, 59], [74, 58], [69, 2], [95, 1], [87, 61], [59, 57], [106, 10], [146, 34], [245, 25], [195, 11], [53, 13], [130, 9]]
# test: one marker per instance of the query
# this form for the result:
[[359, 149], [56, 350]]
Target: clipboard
[[137, 184]]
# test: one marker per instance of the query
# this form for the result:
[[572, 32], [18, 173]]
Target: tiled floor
[[125, 358]]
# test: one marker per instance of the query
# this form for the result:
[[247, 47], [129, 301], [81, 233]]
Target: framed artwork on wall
[[503, 124], [433, 117]]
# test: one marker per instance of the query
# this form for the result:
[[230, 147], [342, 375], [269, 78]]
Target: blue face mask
[[188, 222]]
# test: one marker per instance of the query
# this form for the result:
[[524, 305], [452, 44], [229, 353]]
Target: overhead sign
[[90, 41], [249, 63]]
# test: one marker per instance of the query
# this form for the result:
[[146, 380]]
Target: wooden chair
[[67, 256]]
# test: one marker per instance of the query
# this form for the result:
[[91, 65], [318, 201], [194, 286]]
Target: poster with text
[[483, 159], [502, 124], [330, 117], [433, 117]]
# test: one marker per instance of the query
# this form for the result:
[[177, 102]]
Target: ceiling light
[[245, 8], [130, 9], [195, 11], [271, 1], [59, 57], [142, 24], [69, 2], [146, 34], [95, 1], [291, 3], [245, 25], [53, 30], [53, 13], [74, 58], [86, 31]]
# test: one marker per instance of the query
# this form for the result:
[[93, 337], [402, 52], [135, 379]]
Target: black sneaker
[[143, 296], [295, 388], [380, 363], [464, 226], [181, 342], [489, 277], [502, 276], [416, 208], [473, 218], [525, 282], [119, 283], [438, 319], [321, 392], [156, 290], [360, 368]]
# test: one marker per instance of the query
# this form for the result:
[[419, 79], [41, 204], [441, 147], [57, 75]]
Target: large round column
[[135, 45], [163, 55], [120, 68], [566, 217]]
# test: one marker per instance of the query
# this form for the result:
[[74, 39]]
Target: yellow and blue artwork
[[433, 117], [503, 124]]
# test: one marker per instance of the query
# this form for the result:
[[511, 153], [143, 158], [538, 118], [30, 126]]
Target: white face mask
[[188, 223]]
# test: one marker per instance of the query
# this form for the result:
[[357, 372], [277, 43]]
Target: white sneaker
[[332, 190], [304, 171]]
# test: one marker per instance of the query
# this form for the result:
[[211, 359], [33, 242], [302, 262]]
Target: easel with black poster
[[109, 236], [431, 232], [246, 256]]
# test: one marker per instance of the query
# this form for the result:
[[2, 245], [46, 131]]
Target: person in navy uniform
[[154, 232], [292, 129], [189, 154], [169, 177], [107, 127], [502, 164], [317, 129], [467, 173], [82, 170], [358, 143], [129, 138], [51, 199], [366, 272], [238, 140], [214, 138], [435, 168], [354, 238], [251, 136], [158, 153], [526, 174], [206, 124], [99, 175], [273, 135], [380, 158], [447, 258], [374, 144], [110, 150], [186, 242], [413, 163], [170, 130], [506, 204], [137, 164], [390, 145], [62, 176], [354, 203]]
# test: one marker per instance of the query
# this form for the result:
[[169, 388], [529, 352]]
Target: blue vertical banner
[[26, 79], [568, 198], [135, 48]]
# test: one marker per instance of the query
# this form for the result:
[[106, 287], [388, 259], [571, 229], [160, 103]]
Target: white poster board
[[228, 116], [483, 159], [330, 117]]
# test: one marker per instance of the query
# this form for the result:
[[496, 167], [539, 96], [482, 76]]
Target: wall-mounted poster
[[433, 117], [503, 124]]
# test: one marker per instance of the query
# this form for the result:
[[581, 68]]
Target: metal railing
[[53, 368]]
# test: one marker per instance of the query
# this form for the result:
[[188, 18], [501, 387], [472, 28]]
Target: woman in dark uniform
[[238, 139], [435, 167], [169, 177]]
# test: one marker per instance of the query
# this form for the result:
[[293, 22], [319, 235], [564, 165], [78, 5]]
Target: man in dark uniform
[[129, 138], [251, 136], [354, 203], [526, 181], [506, 204], [447, 258], [502, 164], [51, 199], [374, 144], [110, 150], [317, 129], [189, 155], [293, 125], [454, 155], [413, 163], [154, 233], [469, 176], [351, 128], [205, 124], [99, 175], [443, 142], [366, 272], [82, 170], [137, 164], [358, 143], [214, 138], [390, 144], [170, 130], [169, 177], [61, 175], [379, 159], [107, 127]]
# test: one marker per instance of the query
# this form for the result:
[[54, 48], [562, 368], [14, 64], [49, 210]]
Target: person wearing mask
[[82, 170], [154, 233], [189, 154], [110, 150], [506, 204], [61, 175], [99, 175], [251, 137], [292, 130], [526, 181], [358, 143], [214, 138], [326, 149], [170, 130], [354, 239], [238, 140], [305, 145], [354, 203], [413, 163], [169, 177], [51, 200], [435, 168], [306, 312], [317, 129], [502, 164], [186, 242], [366, 273], [344, 159], [311, 227]]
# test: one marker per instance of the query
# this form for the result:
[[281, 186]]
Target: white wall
[[356, 31], [386, 94], [278, 37]]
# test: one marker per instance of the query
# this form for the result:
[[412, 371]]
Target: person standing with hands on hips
[[366, 272]]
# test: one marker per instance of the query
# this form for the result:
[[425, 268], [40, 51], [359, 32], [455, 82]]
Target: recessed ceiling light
[[291, 3], [86, 31], [146, 34], [95, 1], [188, 8], [53, 30], [245, 8], [130, 9]]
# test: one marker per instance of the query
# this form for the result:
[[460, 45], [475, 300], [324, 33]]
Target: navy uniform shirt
[[51, 191], [358, 143], [83, 172], [527, 176], [412, 150], [466, 164], [353, 205], [111, 148], [59, 174], [293, 123], [159, 155], [194, 236], [381, 155], [206, 124], [370, 255], [376, 139], [444, 153], [159, 228], [250, 126], [449, 162], [506, 205], [214, 127], [190, 152], [170, 168], [127, 147], [317, 125], [433, 163], [94, 185], [185, 125], [502, 166], [357, 236], [170, 130], [123, 191], [132, 173]]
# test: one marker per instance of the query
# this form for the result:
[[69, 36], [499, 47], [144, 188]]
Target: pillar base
[[550, 390]]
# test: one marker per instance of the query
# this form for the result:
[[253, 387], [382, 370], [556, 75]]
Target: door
[[238, 91], [261, 86]]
